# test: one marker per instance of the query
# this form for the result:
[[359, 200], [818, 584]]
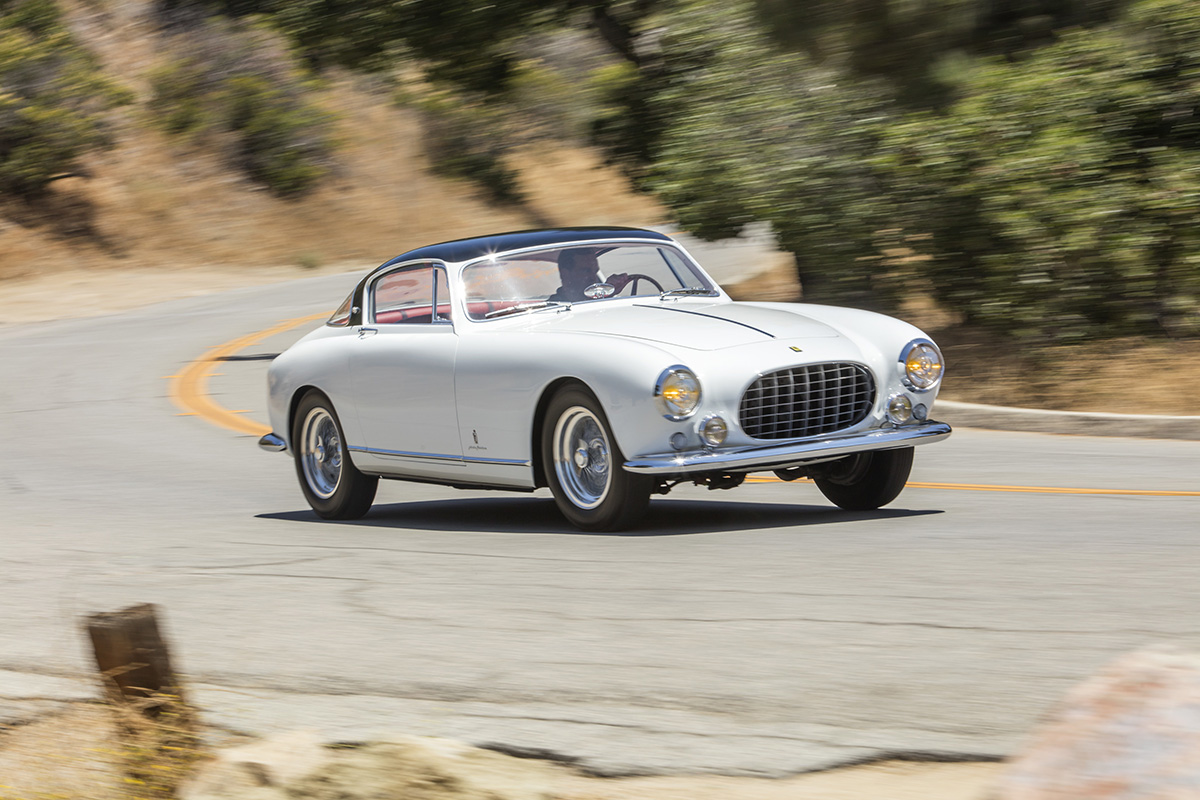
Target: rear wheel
[[584, 466], [865, 481], [331, 484]]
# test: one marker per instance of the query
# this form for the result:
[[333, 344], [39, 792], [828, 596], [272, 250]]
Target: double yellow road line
[[189, 391]]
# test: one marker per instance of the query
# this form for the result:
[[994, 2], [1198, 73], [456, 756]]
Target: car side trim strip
[[375, 451], [780, 456]]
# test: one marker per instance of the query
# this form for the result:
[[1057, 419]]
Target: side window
[[414, 296], [341, 317]]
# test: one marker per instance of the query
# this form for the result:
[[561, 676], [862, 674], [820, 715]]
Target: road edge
[[1079, 423]]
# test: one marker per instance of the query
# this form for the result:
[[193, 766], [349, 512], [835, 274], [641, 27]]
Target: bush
[[239, 82], [752, 133], [1062, 190], [1054, 200], [470, 139], [53, 99]]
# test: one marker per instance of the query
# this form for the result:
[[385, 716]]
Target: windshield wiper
[[517, 309], [688, 290]]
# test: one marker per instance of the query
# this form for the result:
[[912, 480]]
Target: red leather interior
[[417, 315]]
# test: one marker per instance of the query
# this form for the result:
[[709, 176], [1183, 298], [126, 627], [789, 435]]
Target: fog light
[[900, 409], [713, 430]]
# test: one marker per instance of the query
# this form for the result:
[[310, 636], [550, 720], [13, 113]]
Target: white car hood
[[699, 326]]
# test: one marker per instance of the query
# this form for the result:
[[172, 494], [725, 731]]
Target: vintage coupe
[[602, 363]]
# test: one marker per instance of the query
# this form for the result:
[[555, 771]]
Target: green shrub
[[239, 82], [53, 99], [1062, 190], [178, 99], [470, 140]]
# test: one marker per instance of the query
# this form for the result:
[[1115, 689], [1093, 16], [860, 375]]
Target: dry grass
[[1122, 376], [157, 203], [154, 203], [81, 755], [70, 755], [1130, 376], [158, 210]]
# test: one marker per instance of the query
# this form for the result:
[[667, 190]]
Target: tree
[[1061, 190], [754, 133], [52, 99], [238, 84]]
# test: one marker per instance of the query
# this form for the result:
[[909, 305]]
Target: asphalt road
[[754, 631]]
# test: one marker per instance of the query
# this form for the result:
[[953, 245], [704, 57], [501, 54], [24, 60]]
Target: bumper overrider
[[272, 443], [793, 454]]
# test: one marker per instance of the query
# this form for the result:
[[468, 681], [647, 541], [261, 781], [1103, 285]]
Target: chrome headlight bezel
[[671, 409], [914, 380]]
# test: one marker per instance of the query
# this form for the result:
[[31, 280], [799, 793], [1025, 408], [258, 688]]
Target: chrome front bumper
[[781, 456], [272, 443]]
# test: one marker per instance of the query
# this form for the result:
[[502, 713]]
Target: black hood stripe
[[710, 316]]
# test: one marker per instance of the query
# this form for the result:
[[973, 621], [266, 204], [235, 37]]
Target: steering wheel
[[632, 279]]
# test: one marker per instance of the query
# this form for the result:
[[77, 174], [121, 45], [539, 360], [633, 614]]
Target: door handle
[[365, 332]]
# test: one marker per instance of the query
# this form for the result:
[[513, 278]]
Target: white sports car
[[602, 363]]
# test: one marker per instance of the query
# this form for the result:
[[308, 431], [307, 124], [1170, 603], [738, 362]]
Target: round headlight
[[922, 366], [713, 430], [678, 392]]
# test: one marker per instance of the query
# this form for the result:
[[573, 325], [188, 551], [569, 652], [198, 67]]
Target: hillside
[[157, 217], [160, 203]]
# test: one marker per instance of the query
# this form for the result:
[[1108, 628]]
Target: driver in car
[[579, 268]]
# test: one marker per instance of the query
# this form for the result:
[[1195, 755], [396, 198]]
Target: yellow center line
[[189, 389]]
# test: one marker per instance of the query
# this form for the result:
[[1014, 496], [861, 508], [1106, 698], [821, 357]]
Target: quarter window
[[341, 317]]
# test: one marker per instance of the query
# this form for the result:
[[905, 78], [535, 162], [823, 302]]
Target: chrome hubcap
[[321, 453], [581, 457]]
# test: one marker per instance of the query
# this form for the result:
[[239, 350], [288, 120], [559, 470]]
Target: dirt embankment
[[160, 218], [77, 755]]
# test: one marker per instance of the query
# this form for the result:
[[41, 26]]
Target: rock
[[416, 768], [295, 766], [260, 770], [1131, 732]]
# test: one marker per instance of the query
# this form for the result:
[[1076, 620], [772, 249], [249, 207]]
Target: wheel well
[[291, 415], [539, 414]]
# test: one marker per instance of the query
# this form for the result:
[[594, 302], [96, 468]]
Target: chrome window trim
[[369, 299], [349, 301], [683, 254]]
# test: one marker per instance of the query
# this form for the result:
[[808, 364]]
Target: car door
[[402, 367]]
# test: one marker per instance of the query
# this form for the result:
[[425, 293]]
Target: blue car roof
[[467, 249]]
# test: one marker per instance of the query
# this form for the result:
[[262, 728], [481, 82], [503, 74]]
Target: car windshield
[[524, 282]]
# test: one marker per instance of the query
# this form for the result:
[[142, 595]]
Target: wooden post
[[133, 659]]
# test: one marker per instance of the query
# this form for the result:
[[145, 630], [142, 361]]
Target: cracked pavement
[[757, 631]]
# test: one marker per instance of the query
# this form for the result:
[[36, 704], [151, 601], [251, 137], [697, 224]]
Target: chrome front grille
[[807, 401]]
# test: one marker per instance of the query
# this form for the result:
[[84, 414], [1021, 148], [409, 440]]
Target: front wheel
[[865, 481], [332, 485], [584, 466]]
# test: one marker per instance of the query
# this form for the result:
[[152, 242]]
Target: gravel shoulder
[[74, 753]]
